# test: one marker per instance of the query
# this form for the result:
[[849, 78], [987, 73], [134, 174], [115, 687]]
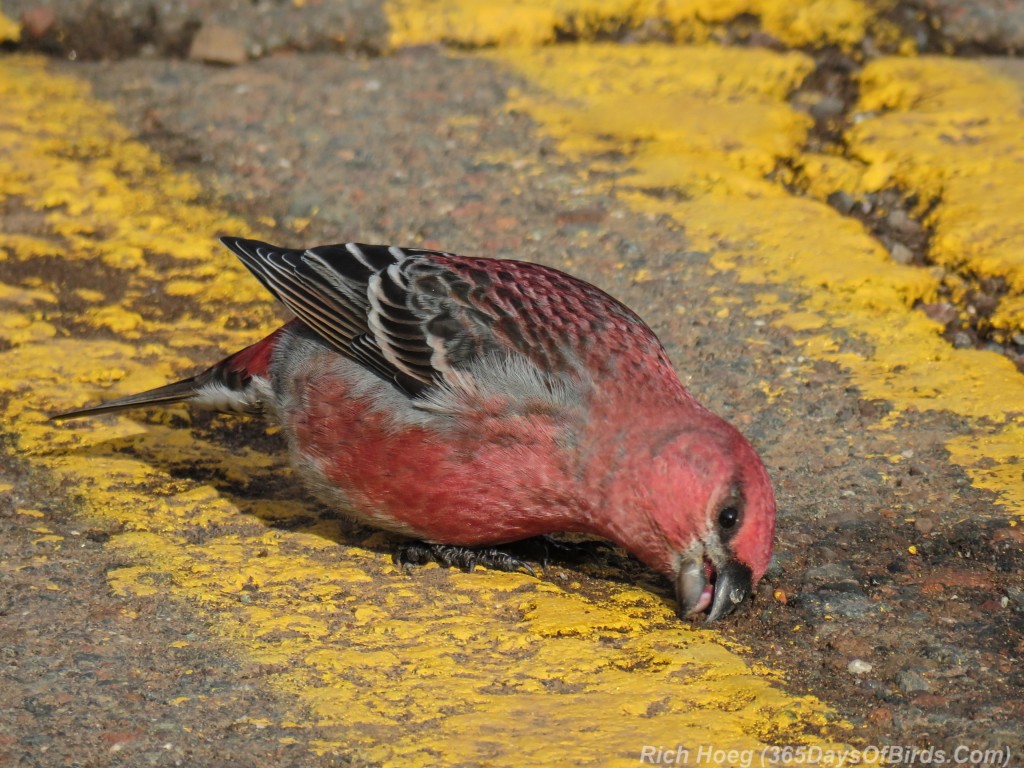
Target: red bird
[[469, 403]]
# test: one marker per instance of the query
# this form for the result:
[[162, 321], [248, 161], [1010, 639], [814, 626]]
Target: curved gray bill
[[733, 583]]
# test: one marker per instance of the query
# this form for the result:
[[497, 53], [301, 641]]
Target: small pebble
[[924, 525], [38, 21], [1016, 596], [901, 254], [900, 221], [859, 667], [842, 202], [828, 108], [910, 681], [881, 716], [216, 44], [962, 340], [827, 573], [941, 312]]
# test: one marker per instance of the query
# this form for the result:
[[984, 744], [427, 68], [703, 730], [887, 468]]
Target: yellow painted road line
[[952, 130], [10, 32], [435, 669], [842, 23], [710, 124]]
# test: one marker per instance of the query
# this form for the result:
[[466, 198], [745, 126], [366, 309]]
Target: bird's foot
[[466, 558]]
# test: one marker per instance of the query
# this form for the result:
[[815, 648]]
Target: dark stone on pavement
[[216, 44], [977, 26], [112, 29]]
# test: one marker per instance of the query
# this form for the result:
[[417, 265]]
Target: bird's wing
[[402, 313], [416, 316]]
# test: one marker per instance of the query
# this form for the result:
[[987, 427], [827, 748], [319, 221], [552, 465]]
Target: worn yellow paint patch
[[853, 303], [1001, 468], [25, 298], [83, 176], [25, 319], [667, 103], [25, 246], [10, 31], [797, 23], [964, 121], [502, 669]]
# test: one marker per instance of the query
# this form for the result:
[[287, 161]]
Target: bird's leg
[[466, 558]]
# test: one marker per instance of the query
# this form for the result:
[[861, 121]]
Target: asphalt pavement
[[801, 208]]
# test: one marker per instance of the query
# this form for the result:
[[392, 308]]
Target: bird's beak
[[702, 583], [733, 583]]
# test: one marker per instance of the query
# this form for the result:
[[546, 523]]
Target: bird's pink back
[[559, 322]]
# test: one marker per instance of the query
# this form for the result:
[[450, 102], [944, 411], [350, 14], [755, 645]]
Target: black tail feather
[[165, 395]]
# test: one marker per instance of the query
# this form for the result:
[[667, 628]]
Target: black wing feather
[[399, 313]]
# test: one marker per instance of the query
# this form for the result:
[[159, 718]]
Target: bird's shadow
[[221, 445]]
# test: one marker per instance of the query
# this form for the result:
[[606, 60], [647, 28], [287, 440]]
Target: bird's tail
[[233, 385], [179, 391]]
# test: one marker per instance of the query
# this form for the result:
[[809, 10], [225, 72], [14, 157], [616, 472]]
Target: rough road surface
[[820, 225]]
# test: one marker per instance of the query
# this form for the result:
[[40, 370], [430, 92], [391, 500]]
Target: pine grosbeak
[[469, 403]]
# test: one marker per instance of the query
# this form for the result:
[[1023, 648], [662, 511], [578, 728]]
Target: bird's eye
[[728, 517]]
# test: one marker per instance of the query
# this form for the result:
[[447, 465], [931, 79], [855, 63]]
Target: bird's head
[[710, 513]]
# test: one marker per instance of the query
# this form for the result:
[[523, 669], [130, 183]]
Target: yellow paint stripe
[[653, 100], [10, 31], [477, 23], [963, 120], [501, 669]]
